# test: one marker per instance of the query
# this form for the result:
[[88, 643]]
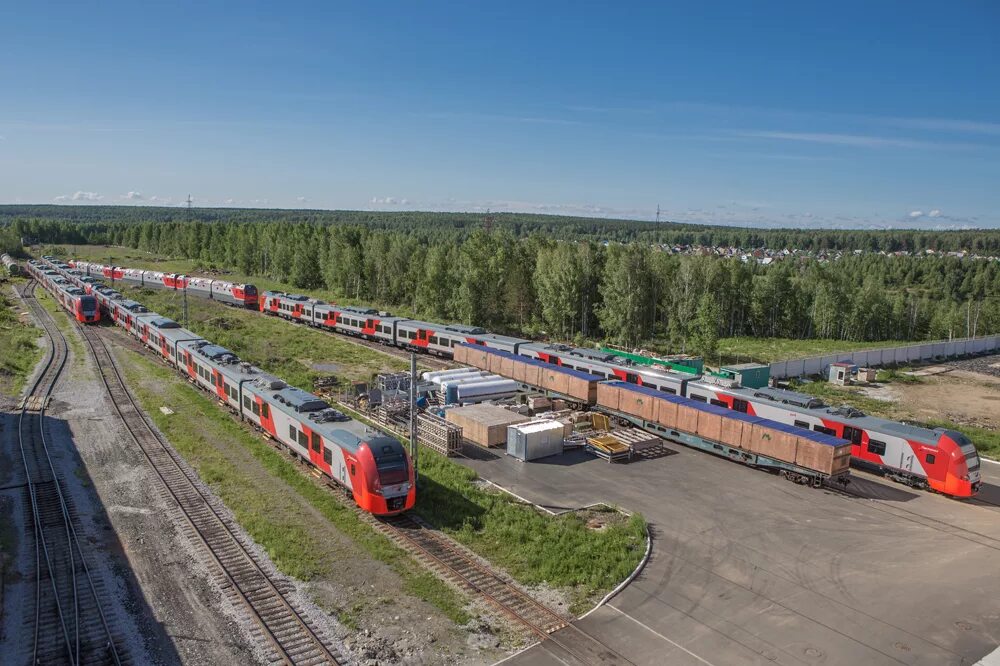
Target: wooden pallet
[[34, 403]]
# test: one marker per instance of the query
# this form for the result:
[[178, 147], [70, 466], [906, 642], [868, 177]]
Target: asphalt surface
[[748, 568]]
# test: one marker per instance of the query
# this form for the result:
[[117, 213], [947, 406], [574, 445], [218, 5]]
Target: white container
[[465, 372], [489, 388], [535, 439], [431, 374]]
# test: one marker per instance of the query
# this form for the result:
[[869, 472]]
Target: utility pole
[[413, 412], [111, 269], [657, 213], [185, 292]]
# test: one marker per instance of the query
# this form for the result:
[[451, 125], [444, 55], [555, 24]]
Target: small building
[[749, 375], [842, 373]]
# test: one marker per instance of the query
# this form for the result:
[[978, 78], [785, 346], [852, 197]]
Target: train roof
[[503, 338], [454, 328]]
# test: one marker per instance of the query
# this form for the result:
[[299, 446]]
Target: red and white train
[[70, 296], [942, 460], [375, 468], [230, 293]]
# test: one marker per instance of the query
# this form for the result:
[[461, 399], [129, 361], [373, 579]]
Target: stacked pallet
[[438, 434], [485, 425], [789, 444], [556, 379]]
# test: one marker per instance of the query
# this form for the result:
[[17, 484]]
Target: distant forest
[[571, 278]]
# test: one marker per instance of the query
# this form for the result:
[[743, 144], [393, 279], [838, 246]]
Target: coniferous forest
[[626, 282]]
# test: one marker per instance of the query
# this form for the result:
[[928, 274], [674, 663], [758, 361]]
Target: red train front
[[384, 483]]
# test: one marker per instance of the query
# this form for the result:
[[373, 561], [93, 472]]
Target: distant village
[[765, 256]]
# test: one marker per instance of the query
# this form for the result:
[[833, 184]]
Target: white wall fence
[[867, 358]]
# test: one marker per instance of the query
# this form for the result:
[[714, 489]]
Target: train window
[[303, 440], [824, 430], [317, 445], [802, 424], [853, 435], [291, 432], [718, 403], [434, 340], [876, 447], [246, 402], [699, 398], [669, 390], [930, 458], [741, 405], [327, 456], [265, 411]]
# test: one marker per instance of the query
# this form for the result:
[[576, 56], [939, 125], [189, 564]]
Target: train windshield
[[390, 461], [88, 303], [250, 290]]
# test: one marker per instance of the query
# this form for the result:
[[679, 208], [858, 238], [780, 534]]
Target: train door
[[741, 405]]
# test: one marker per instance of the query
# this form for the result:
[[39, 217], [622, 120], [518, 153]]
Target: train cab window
[[718, 403], [291, 432], [327, 456], [930, 458], [876, 447], [699, 398], [824, 430], [317, 445], [303, 440], [853, 435], [802, 424]]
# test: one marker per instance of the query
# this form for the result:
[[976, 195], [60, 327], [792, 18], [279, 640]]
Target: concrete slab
[[748, 568]]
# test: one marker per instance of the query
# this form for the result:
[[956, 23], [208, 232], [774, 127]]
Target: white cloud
[[384, 201], [87, 196], [916, 213], [132, 196], [934, 213], [61, 198], [229, 202], [302, 199], [166, 201], [857, 140]]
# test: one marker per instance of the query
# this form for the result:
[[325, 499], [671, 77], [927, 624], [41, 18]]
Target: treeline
[[97, 223], [629, 294]]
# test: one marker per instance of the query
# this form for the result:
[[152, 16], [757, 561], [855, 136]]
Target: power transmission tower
[[657, 213], [188, 205], [488, 222]]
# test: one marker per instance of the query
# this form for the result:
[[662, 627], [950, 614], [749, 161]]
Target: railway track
[[69, 624], [286, 634], [450, 560]]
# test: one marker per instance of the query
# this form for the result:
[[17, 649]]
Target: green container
[[750, 375], [691, 366]]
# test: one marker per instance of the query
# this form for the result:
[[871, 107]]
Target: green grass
[[845, 395], [769, 350], [18, 352], [897, 376], [272, 519]]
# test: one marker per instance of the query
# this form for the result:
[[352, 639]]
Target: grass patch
[[270, 518], [769, 350], [844, 395], [897, 376], [19, 352]]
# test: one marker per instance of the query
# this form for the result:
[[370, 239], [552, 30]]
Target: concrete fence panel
[[815, 365]]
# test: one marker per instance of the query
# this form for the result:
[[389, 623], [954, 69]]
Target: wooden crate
[[687, 419], [772, 443], [608, 396], [637, 404], [822, 457], [666, 413], [709, 426], [485, 425], [731, 433]]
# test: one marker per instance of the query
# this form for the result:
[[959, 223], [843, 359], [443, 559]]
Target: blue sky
[[769, 114]]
